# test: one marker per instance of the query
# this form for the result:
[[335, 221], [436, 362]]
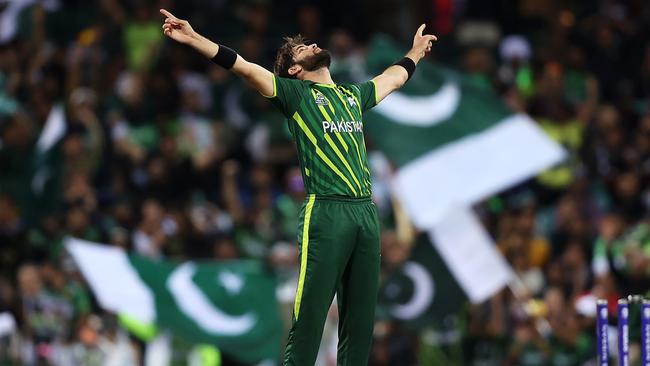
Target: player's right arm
[[255, 75]]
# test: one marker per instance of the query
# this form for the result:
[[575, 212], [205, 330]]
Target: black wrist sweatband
[[225, 57], [408, 65]]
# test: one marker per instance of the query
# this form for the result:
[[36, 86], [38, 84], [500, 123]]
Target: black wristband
[[225, 57], [408, 65]]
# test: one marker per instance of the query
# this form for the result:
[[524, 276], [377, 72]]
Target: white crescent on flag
[[193, 302], [423, 292], [421, 111]]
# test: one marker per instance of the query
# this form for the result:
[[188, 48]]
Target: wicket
[[623, 326]]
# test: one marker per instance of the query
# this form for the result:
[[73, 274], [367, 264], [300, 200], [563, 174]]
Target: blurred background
[[113, 134]]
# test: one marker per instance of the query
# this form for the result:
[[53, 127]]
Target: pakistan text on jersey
[[343, 126]]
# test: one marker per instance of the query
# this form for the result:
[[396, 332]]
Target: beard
[[317, 61]]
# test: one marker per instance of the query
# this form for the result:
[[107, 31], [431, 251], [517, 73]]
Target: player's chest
[[334, 104]]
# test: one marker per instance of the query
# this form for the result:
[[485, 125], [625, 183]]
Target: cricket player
[[339, 230]]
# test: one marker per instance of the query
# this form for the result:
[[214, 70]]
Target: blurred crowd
[[111, 133]]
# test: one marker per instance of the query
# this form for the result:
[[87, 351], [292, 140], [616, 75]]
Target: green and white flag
[[230, 305], [453, 143], [452, 264], [422, 290]]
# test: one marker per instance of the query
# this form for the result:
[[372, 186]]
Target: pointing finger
[[168, 14], [420, 30]]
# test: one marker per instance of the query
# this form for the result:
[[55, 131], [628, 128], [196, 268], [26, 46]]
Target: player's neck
[[321, 76]]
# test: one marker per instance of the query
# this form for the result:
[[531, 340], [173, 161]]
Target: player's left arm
[[395, 76]]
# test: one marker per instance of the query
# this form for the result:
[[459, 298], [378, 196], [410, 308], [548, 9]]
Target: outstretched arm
[[395, 76], [180, 30]]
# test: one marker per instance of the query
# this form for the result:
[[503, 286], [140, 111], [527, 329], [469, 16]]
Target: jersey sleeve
[[287, 94], [368, 94]]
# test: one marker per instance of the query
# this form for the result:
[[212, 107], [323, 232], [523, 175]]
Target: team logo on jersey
[[320, 99], [352, 102]]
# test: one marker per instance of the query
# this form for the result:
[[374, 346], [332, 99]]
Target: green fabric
[[368, 94], [600, 248], [231, 305], [145, 136], [78, 297], [480, 81], [399, 288], [477, 111], [638, 237], [342, 257], [326, 122]]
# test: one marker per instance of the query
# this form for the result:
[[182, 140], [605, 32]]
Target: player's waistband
[[349, 199]]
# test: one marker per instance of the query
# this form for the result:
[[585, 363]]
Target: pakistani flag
[[229, 305], [422, 290], [453, 142], [452, 264]]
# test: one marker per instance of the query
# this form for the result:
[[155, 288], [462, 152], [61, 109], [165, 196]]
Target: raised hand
[[421, 44], [177, 29]]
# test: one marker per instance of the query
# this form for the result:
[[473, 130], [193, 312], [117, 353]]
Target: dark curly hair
[[284, 58]]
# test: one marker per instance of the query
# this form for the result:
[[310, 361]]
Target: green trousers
[[339, 254]]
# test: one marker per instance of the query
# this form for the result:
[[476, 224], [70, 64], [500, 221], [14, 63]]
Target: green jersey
[[326, 123]]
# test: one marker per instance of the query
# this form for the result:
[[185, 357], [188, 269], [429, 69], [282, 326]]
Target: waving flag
[[450, 265], [230, 305], [453, 142]]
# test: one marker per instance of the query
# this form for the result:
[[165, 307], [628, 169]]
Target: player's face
[[311, 57]]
